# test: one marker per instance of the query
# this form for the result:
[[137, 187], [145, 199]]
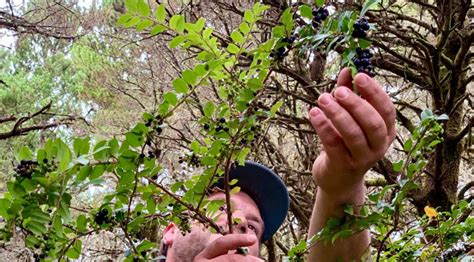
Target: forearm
[[327, 206]]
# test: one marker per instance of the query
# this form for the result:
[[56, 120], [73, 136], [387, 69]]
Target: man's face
[[245, 211]]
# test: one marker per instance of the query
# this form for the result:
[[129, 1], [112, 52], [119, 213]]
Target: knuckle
[[353, 135], [376, 126]]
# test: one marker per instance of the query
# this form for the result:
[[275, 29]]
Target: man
[[355, 133]]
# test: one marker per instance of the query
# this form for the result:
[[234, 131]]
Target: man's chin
[[186, 247]]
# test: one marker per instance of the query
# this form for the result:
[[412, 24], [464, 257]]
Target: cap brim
[[267, 190]]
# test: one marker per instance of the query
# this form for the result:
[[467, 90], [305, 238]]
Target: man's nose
[[240, 223]]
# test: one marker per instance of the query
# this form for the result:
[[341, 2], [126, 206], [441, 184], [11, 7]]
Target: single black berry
[[206, 126], [222, 120]]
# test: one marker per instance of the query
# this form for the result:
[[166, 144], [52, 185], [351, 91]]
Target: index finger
[[345, 78], [379, 99], [224, 244]]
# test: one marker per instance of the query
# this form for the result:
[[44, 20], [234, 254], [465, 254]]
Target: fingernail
[[342, 92], [324, 99], [314, 112], [363, 80]]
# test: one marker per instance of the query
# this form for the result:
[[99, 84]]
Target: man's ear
[[169, 234]]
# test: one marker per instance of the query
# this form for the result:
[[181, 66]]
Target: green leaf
[[171, 98], [143, 25], [16, 189], [25, 153], [157, 29], [242, 155], [97, 171], [195, 146], [249, 17], [276, 107], [278, 31], [145, 245], [75, 250], [81, 223], [207, 160], [255, 84], [368, 4], [427, 113], [81, 146], [244, 28], [233, 182], [35, 214], [348, 209], [237, 37], [4, 205], [100, 151], [189, 76], [132, 22], [408, 145], [160, 13], [397, 167], [233, 49], [131, 5], [442, 117], [180, 86], [209, 109], [143, 8], [319, 3], [41, 155], [36, 227], [134, 139], [235, 190], [287, 19], [123, 19], [151, 205], [342, 234], [177, 23], [364, 43], [306, 11], [177, 41], [64, 155]]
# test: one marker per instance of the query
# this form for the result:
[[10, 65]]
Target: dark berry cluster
[[319, 15], [281, 52], [221, 125], [362, 61], [156, 123], [360, 28], [193, 160], [102, 217], [26, 168], [38, 257], [278, 54]]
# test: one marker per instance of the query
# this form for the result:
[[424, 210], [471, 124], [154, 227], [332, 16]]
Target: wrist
[[351, 195]]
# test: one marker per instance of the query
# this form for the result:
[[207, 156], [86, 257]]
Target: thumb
[[224, 244]]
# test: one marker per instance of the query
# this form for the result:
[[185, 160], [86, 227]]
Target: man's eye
[[251, 227]]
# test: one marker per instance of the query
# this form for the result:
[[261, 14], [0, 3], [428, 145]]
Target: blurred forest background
[[67, 71]]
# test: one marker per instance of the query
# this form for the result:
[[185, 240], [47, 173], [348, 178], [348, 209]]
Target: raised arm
[[355, 132]]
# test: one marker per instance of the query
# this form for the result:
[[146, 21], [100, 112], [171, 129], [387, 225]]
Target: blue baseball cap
[[268, 191]]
